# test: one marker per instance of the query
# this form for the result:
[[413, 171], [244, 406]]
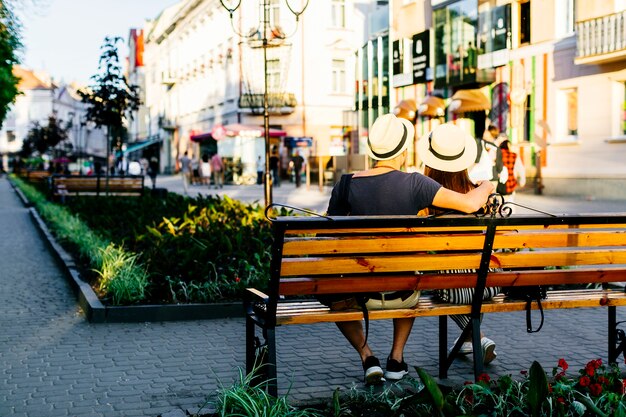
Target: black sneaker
[[396, 370], [373, 371]]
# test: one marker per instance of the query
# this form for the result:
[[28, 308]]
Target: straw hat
[[389, 136], [447, 148]]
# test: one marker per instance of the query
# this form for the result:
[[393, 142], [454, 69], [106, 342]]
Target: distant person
[[298, 163], [134, 168], [260, 169], [274, 167], [185, 170], [153, 170], [515, 169], [217, 169], [205, 170]]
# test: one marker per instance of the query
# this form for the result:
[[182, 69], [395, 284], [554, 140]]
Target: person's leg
[[353, 332], [401, 331], [185, 180]]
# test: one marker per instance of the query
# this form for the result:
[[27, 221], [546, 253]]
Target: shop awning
[[464, 101], [406, 109], [137, 146], [201, 137], [432, 106]]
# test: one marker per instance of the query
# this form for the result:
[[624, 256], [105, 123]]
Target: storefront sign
[[494, 37], [422, 71], [401, 60]]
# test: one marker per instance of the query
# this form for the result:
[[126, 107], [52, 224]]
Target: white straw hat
[[389, 136], [447, 148]]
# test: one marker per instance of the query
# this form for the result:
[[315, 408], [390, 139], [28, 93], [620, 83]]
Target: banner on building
[[422, 71]]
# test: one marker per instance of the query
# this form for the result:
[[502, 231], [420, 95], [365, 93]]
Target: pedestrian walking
[[217, 168], [205, 170], [260, 169], [298, 163], [153, 169], [515, 170], [274, 167], [185, 170]]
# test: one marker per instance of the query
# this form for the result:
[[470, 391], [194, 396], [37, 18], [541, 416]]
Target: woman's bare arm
[[466, 203]]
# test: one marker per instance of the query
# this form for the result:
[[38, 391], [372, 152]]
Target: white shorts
[[386, 303]]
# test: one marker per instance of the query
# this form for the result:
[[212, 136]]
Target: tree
[[110, 98], [9, 45], [42, 138]]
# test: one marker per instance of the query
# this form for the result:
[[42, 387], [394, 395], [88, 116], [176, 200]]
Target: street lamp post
[[264, 21]]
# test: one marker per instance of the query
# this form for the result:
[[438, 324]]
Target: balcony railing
[[278, 103], [601, 39]]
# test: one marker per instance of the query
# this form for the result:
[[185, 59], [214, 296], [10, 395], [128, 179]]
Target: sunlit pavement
[[54, 363]]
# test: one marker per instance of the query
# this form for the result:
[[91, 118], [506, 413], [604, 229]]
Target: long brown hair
[[455, 181]]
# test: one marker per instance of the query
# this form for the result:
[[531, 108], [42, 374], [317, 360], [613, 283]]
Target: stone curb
[[96, 312]]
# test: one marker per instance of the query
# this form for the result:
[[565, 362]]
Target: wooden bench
[[313, 255], [35, 177], [71, 185]]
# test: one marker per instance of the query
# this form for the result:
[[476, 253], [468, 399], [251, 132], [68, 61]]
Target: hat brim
[[465, 161], [409, 138]]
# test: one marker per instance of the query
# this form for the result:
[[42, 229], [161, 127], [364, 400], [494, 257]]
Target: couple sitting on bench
[[447, 152]]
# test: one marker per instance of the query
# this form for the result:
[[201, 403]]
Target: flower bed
[[597, 390], [162, 250]]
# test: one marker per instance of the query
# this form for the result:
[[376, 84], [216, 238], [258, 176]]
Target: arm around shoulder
[[470, 202]]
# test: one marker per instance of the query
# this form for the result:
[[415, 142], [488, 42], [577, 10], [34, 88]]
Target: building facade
[[205, 78], [41, 98], [552, 74]]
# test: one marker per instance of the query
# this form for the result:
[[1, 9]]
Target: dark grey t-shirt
[[392, 193]]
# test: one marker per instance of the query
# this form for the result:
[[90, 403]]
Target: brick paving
[[54, 363]]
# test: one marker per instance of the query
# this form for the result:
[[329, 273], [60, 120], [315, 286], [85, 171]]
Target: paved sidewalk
[[54, 363]]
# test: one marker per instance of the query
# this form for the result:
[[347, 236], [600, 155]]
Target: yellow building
[[552, 74]]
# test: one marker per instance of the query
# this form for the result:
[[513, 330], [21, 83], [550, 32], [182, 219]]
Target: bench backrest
[[76, 184], [361, 254]]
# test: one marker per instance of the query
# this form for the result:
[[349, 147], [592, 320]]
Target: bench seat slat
[[427, 307]]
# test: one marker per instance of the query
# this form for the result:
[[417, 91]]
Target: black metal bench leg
[[477, 348], [250, 345], [271, 373], [443, 347]]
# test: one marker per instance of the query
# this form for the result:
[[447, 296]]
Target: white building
[[203, 80], [40, 99]]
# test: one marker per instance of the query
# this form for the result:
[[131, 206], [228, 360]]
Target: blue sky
[[63, 37]]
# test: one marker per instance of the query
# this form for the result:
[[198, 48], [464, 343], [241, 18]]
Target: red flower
[[560, 375], [602, 380], [484, 378], [561, 400], [623, 386], [526, 372], [237, 279], [563, 365], [590, 370], [595, 389], [584, 381], [549, 387]]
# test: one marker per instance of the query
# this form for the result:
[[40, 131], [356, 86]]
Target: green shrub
[[123, 279]]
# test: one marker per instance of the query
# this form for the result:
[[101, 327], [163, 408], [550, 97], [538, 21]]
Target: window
[[624, 112], [567, 119], [572, 113], [338, 13], [274, 9], [564, 18], [273, 75], [338, 76], [524, 24], [10, 136]]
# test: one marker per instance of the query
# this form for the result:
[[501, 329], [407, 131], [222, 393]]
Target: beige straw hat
[[389, 136], [447, 148]]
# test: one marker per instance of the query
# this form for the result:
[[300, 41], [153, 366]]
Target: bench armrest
[[252, 293]]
